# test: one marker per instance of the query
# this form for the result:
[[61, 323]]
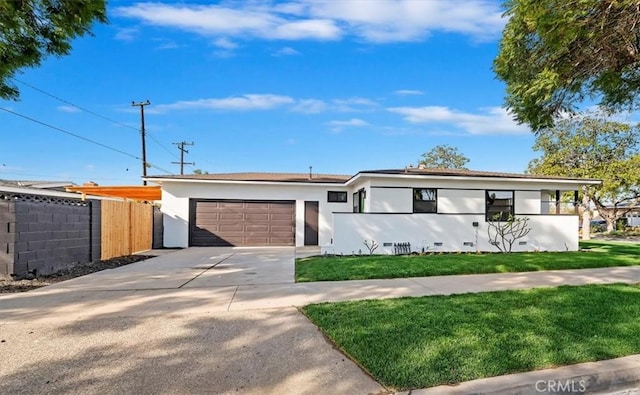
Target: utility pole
[[182, 151], [144, 148]]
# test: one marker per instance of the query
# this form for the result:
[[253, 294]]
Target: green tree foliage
[[590, 146], [32, 29], [200, 171], [554, 54], [444, 157]]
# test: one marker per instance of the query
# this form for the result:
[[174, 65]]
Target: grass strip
[[361, 267], [410, 343]]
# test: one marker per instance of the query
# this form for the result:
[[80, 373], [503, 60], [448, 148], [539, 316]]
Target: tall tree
[[593, 147], [30, 30], [554, 54], [444, 157]]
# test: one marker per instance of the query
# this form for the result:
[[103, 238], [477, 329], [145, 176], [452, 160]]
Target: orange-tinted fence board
[[126, 228]]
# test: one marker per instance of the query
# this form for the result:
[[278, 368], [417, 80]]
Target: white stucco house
[[432, 209]]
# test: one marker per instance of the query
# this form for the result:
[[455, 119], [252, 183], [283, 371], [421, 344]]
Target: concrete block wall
[[95, 230], [51, 234], [7, 236]]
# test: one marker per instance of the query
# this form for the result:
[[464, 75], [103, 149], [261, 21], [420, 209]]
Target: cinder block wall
[[7, 236], [51, 234]]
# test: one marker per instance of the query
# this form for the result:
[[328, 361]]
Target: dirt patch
[[9, 286]]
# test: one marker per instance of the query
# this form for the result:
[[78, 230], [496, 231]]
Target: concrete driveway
[[164, 326], [212, 321]]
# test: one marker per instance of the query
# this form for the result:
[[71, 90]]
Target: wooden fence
[[126, 228]]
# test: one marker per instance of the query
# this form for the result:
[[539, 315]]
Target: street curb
[[590, 377]]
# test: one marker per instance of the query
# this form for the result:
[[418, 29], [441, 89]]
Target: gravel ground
[[10, 286]]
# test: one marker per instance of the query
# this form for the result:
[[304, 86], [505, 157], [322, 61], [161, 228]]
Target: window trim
[[333, 194], [512, 206], [435, 201]]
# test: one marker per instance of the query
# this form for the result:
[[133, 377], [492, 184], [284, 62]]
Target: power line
[[94, 113], [182, 152], [80, 137]]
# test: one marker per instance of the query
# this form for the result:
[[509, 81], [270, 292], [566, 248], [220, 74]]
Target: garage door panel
[[256, 217], [230, 228], [231, 216], [242, 223]]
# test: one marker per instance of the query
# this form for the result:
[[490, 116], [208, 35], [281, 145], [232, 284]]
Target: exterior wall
[[7, 237], [51, 234], [462, 197], [175, 205], [391, 200], [527, 202], [549, 233], [461, 201]]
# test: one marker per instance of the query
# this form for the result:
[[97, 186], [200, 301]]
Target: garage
[[217, 223]]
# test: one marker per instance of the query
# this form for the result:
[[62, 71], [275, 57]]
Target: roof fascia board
[[238, 182], [477, 178]]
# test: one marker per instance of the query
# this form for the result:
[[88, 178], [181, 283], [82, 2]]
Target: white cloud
[[127, 34], [338, 126], [493, 120], [310, 106], [408, 92], [225, 43], [69, 109], [236, 103], [354, 104], [380, 21], [286, 51], [234, 19]]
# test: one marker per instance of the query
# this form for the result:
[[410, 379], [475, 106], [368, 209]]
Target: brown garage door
[[241, 223]]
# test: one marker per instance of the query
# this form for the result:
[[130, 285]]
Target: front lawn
[[333, 268], [422, 342]]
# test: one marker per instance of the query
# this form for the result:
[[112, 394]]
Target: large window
[[425, 200], [337, 197], [499, 205]]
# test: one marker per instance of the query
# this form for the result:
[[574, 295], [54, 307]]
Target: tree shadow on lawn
[[422, 342]]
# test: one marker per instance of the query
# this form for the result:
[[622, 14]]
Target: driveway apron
[[163, 326]]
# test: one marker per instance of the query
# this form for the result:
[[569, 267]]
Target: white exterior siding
[[527, 202], [391, 200], [461, 201], [175, 205], [549, 233]]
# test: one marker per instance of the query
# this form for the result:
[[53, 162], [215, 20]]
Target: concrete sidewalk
[[204, 320]]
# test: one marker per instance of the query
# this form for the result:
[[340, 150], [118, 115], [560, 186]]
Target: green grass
[[422, 342], [334, 268]]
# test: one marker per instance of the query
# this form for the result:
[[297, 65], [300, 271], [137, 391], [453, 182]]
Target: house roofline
[[422, 174], [160, 180], [529, 179]]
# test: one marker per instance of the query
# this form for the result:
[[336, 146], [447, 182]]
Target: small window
[[425, 200], [336, 197], [499, 205]]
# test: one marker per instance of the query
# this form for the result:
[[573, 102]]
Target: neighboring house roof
[[146, 193], [346, 179], [54, 185]]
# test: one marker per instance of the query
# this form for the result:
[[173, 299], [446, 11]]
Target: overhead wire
[[81, 137], [173, 154]]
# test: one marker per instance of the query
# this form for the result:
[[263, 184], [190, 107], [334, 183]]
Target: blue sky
[[275, 86]]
